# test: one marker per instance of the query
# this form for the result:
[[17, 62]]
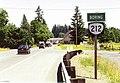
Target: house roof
[[68, 33]]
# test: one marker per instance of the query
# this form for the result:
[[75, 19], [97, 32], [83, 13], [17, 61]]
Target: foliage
[[25, 32], [12, 36], [8, 35], [3, 17], [110, 34], [59, 30], [40, 32], [39, 17], [110, 46], [24, 24], [78, 24]]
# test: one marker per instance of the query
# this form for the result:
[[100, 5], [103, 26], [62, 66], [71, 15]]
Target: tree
[[78, 26], [8, 36], [40, 32], [39, 17], [61, 35], [3, 17], [38, 28], [110, 34], [54, 30], [24, 24], [59, 30], [26, 28]]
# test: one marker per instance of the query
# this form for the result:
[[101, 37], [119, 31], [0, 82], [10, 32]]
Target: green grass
[[110, 46], [108, 68], [103, 46], [34, 46], [74, 47], [4, 49]]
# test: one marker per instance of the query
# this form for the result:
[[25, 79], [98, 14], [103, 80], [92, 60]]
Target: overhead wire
[[63, 9]]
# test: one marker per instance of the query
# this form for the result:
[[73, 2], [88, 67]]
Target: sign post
[[95, 57], [95, 28]]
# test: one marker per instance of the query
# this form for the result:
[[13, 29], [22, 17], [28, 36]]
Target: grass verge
[[4, 49], [74, 47], [106, 67]]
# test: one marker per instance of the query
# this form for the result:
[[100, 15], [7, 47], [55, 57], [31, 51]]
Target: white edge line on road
[[19, 62]]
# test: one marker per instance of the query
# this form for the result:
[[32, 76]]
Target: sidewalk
[[87, 72]]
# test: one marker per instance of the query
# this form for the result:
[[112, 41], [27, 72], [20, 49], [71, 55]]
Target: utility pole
[[76, 33]]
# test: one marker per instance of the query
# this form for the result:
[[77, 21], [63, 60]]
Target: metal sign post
[[95, 56], [95, 28]]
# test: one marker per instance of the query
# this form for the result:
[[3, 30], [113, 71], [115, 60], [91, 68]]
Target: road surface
[[38, 67], [113, 56]]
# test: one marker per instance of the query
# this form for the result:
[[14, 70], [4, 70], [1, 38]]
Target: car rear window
[[23, 46]]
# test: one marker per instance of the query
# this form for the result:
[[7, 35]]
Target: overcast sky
[[61, 11]]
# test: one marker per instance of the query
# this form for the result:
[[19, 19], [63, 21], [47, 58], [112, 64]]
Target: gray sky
[[60, 11]]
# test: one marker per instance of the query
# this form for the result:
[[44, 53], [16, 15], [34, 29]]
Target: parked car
[[24, 49], [42, 45], [48, 44]]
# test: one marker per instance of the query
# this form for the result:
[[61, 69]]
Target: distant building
[[67, 37], [55, 40]]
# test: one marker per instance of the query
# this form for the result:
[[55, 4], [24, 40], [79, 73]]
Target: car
[[24, 49], [42, 45], [48, 44]]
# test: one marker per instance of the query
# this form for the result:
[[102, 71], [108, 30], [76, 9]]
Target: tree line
[[77, 26], [60, 30], [28, 33], [37, 30]]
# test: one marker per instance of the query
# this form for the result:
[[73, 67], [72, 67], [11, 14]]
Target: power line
[[62, 9]]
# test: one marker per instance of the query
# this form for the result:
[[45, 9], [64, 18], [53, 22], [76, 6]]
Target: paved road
[[113, 56], [38, 67]]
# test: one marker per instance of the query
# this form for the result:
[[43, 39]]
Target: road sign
[[96, 28], [95, 16]]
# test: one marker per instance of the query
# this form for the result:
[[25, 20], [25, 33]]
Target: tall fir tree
[[39, 17], [24, 24], [78, 26]]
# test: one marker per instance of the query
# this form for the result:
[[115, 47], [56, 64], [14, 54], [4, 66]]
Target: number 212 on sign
[[96, 28]]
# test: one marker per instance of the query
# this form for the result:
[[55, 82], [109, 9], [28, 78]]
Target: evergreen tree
[[3, 17], [39, 29], [39, 17], [59, 30], [78, 26], [24, 24], [26, 28]]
